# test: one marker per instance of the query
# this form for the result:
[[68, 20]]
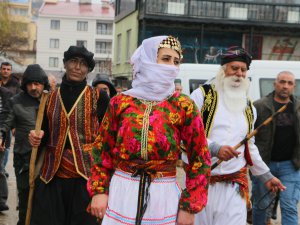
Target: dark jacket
[[13, 85], [22, 115], [5, 96], [265, 137]]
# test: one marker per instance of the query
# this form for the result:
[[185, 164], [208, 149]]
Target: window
[[55, 25], [128, 37], [103, 47], [54, 43], [103, 66], [18, 12], [104, 28], [81, 43], [82, 26], [118, 48], [195, 83], [266, 85], [53, 62]]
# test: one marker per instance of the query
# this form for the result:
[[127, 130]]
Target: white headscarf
[[151, 81]]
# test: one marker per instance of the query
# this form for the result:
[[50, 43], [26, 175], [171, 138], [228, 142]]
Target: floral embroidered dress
[[135, 129]]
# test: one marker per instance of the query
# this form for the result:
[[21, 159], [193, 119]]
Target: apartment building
[[20, 14], [268, 29], [65, 23]]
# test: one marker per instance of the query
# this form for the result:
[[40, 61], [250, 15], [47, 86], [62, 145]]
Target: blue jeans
[[3, 182], [285, 171], [5, 157]]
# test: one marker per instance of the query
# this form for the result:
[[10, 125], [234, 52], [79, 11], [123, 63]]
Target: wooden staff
[[254, 132], [34, 151]]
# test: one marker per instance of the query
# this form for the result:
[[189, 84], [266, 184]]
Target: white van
[[262, 74]]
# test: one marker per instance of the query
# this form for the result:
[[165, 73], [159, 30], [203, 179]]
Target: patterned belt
[[239, 177], [148, 171]]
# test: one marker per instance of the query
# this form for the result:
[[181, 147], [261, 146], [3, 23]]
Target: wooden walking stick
[[254, 132], [34, 151]]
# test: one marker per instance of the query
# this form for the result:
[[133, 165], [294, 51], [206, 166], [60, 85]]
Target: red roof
[[76, 9]]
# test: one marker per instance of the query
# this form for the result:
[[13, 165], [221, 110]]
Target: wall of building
[[124, 48], [67, 35]]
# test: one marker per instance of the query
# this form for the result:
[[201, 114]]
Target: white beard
[[235, 91]]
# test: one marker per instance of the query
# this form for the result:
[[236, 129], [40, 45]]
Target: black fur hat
[[34, 73], [236, 53], [80, 51]]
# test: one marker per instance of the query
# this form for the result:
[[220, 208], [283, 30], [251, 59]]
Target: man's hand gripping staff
[[35, 145], [227, 152]]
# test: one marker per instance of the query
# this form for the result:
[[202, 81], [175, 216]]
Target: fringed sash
[[239, 177], [148, 171]]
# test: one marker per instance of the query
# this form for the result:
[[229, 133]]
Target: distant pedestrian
[[9, 81], [52, 81], [119, 89], [22, 117], [178, 87], [102, 82]]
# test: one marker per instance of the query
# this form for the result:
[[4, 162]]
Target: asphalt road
[[10, 217]]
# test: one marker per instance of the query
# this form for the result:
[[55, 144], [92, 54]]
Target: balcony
[[214, 10]]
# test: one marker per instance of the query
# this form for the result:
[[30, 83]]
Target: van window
[[195, 83], [266, 86]]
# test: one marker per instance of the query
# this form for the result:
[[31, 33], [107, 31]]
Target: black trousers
[[61, 202], [21, 165]]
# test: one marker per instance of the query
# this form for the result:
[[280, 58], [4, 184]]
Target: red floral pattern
[[171, 121]]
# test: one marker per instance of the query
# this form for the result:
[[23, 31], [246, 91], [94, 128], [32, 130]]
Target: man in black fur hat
[[70, 128], [22, 113]]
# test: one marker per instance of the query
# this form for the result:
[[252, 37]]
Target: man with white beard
[[228, 116]]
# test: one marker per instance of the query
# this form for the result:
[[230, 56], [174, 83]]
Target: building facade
[[61, 24], [22, 52], [268, 29]]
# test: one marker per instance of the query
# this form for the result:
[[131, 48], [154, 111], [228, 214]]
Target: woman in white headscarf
[[133, 178]]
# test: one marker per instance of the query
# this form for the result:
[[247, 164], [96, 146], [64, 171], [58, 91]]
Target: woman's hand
[[99, 205], [185, 218], [34, 139]]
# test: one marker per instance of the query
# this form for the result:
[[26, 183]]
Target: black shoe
[[3, 207]]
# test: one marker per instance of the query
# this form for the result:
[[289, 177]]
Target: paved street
[[11, 217]]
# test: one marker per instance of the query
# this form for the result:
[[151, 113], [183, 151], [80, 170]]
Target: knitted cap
[[104, 79], [34, 73]]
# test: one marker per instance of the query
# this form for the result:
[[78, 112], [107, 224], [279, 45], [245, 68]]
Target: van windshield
[[195, 83], [266, 86]]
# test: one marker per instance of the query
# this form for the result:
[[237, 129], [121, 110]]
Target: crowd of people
[[109, 156]]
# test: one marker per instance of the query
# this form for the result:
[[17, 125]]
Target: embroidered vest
[[80, 125], [208, 111]]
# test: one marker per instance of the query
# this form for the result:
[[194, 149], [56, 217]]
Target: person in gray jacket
[[22, 114], [279, 147]]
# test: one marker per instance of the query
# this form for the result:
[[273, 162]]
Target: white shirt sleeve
[[259, 167]]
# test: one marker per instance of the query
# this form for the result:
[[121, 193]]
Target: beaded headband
[[172, 43]]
